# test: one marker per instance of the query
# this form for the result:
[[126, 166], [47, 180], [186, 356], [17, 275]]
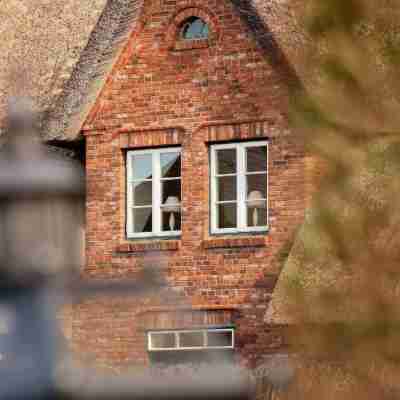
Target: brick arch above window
[[174, 39], [159, 318]]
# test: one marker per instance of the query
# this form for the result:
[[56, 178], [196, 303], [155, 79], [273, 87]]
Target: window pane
[[191, 339], [256, 216], [162, 340], [142, 166], [256, 159], [226, 188], [227, 216], [142, 193], [170, 165], [171, 192], [142, 220], [195, 28], [219, 339], [226, 161], [256, 187], [171, 221]]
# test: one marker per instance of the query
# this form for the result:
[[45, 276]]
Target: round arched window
[[194, 28]]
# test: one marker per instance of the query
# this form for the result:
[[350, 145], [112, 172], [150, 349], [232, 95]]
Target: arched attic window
[[194, 28]]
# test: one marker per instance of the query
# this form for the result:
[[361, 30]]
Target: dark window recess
[[194, 28], [194, 357], [219, 339]]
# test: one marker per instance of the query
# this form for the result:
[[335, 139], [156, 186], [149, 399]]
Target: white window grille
[[200, 339], [154, 192], [239, 187]]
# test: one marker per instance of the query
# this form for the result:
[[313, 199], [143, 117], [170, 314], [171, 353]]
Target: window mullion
[[156, 193], [214, 210], [241, 186], [129, 209], [129, 202]]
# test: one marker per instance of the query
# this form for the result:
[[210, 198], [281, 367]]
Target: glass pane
[[171, 221], [170, 165], [142, 166], [171, 192], [142, 193], [226, 161], [256, 216], [162, 340], [227, 216], [256, 187], [191, 339], [226, 188], [142, 220], [256, 159], [195, 28], [219, 339]]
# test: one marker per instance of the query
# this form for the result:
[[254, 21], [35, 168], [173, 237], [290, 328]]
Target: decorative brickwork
[[156, 245], [193, 9], [184, 318], [149, 138], [157, 97]]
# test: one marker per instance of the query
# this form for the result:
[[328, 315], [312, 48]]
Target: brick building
[[181, 108]]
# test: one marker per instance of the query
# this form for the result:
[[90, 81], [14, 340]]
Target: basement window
[[201, 339], [194, 28]]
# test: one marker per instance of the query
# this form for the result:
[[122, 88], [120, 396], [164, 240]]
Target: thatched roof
[[108, 38], [270, 22]]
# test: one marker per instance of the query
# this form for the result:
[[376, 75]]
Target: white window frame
[[240, 187], [156, 193], [177, 341]]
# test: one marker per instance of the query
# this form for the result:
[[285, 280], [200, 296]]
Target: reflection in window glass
[[220, 338], [142, 166], [170, 165], [163, 340], [194, 28], [191, 339]]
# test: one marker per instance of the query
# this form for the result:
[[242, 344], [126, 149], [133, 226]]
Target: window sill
[[149, 246], [221, 243]]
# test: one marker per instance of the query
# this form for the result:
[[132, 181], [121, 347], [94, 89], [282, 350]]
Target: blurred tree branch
[[341, 281]]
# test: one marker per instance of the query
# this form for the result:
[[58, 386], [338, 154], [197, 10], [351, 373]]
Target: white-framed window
[[154, 192], [239, 187], [199, 339]]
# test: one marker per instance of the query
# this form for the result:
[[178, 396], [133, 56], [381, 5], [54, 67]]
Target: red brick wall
[[162, 93]]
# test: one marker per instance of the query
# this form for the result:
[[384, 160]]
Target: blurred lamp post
[[41, 203], [41, 216]]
